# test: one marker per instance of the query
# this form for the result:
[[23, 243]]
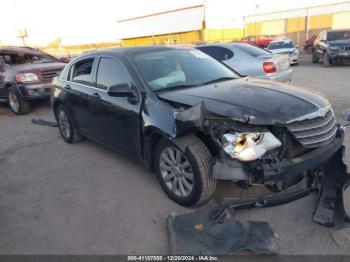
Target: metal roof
[[168, 22]]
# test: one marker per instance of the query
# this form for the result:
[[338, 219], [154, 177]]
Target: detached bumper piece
[[289, 168], [194, 232], [330, 210]]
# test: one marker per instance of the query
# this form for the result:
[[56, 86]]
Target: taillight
[[269, 67]]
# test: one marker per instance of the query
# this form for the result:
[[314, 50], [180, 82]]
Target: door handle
[[96, 95], [67, 87]]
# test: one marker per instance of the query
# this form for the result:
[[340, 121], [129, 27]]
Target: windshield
[[338, 35], [25, 58], [252, 50], [280, 45], [172, 69]]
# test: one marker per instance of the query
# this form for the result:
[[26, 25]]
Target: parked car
[[25, 76], [309, 44], [258, 41], [332, 46], [285, 47], [193, 120], [249, 60]]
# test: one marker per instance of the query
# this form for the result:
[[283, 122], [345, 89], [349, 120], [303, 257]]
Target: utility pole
[[257, 6], [23, 34]]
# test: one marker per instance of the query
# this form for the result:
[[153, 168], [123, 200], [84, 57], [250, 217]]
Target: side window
[[82, 71], [217, 52], [210, 50], [226, 54], [111, 72]]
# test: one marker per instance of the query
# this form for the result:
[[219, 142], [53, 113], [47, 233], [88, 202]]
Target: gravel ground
[[57, 198]]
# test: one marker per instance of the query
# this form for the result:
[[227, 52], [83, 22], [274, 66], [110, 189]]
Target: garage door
[[276, 27], [341, 20]]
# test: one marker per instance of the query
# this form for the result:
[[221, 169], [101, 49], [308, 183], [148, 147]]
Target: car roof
[[20, 49], [224, 44], [135, 50], [281, 40]]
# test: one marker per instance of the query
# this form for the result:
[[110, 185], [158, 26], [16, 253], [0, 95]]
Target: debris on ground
[[44, 122], [194, 232]]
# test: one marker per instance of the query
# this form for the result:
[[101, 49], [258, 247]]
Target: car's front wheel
[[185, 177], [17, 105], [326, 60], [66, 126]]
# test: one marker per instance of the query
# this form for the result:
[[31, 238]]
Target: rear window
[[252, 50], [280, 45], [338, 35]]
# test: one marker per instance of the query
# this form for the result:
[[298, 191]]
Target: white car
[[285, 46]]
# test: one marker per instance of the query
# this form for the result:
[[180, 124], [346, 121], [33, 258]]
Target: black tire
[[314, 58], [326, 60], [200, 161], [16, 103], [67, 129]]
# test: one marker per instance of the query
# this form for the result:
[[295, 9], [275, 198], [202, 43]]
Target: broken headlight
[[248, 146]]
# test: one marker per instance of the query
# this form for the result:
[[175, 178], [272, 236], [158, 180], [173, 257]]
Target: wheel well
[[7, 86], [55, 105], [152, 140]]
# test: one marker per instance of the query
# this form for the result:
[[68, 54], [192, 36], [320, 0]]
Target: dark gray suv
[[332, 46]]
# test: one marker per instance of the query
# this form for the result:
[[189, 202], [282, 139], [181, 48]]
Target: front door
[[117, 119]]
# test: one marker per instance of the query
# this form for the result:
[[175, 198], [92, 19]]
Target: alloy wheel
[[13, 100], [64, 124], [176, 171]]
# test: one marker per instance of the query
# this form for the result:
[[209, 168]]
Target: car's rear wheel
[[185, 177], [66, 126], [17, 105], [326, 60], [314, 58]]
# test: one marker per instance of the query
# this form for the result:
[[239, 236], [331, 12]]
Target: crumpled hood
[[265, 102]]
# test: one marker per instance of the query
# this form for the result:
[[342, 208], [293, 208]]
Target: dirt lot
[[57, 198]]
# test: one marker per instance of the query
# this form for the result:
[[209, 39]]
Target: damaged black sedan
[[194, 121]]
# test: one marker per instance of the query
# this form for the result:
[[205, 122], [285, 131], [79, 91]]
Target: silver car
[[286, 47], [249, 60]]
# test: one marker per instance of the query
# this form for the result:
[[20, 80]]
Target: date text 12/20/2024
[[173, 258]]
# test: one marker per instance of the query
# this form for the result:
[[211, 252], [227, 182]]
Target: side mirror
[[297, 46], [121, 90], [64, 60]]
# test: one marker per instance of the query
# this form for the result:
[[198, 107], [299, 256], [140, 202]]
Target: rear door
[[80, 89]]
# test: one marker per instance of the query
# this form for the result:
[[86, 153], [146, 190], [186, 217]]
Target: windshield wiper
[[176, 87], [221, 79]]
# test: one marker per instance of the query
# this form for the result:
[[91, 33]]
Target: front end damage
[[276, 156]]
